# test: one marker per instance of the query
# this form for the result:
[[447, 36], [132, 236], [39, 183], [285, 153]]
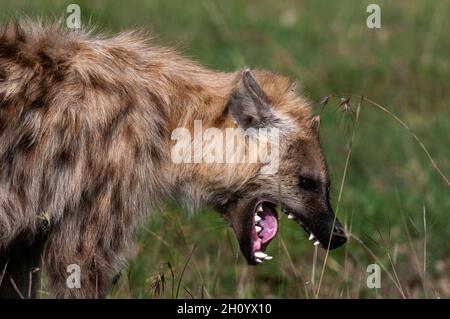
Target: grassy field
[[387, 190]]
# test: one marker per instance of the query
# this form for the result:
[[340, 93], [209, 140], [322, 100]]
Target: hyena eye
[[308, 184]]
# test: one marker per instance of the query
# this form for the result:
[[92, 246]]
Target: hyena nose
[[339, 236], [339, 230]]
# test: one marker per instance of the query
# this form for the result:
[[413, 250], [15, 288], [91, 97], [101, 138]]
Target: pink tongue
[[269, 226]]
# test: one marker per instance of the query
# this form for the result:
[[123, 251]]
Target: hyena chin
[[85, 144]]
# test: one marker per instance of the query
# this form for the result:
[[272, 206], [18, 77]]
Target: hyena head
[[300, 187]]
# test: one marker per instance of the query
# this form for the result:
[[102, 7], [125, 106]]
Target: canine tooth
[[311, 237], [316, 243], [258, 260], [260, 254], [258, 229], [268, 257], [290, 216], [257, 218], [260, 208]]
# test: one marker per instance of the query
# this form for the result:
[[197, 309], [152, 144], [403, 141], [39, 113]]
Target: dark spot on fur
[[96, 82], [218, 122], [193, 88], [208, 99], [2, 76], [117, 121], [8, 51], [25, 142], [55, 69], [64, 158], [160, 129], [45, 60], [36, 104], [2, 125], [155, 155], [60, 74], [6, 161]]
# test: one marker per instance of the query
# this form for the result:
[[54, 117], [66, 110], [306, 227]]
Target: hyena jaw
[[85, 127]]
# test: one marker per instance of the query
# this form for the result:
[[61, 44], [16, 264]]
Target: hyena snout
[[327, 230], [336, 233], [320, 224]]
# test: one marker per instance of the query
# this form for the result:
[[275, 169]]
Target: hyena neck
[[196, 182], [198, 100], [197, 94]]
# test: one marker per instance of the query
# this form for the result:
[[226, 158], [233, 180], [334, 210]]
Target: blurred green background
[[391, 189]]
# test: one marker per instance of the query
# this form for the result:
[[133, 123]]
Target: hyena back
[[85, 138]]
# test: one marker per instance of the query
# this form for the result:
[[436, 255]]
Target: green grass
[[390, 181]]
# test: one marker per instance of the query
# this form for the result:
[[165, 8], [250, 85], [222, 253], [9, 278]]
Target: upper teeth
[[258, 218], [259, 255], [311, 236]]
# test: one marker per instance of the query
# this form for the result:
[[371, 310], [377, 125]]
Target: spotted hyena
[[86, 135]]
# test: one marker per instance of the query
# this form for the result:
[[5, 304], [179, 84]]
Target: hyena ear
[[249, 105]]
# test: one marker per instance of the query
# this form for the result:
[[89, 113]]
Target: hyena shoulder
[[77, 119]]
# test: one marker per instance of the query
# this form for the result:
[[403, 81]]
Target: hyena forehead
[[302, 154]]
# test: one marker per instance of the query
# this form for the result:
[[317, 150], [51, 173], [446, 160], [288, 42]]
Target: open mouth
[[265, 229], [255, 224]]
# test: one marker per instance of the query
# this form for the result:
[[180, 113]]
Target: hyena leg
[[20, 266], [87, 256], [76, 274]]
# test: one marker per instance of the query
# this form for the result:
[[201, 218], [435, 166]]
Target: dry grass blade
[[16, 289], [314, 265], [30, 281], [408, 234], [375, 257], [425, 252], [341, 189], [346, 109], [189, 293], [3, 272], [418, 140], [408, 129], [184, 269], [173, 278], [297, 276]]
